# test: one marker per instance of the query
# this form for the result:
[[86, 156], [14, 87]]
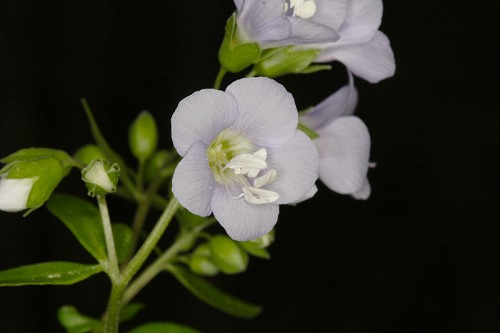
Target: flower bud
[[257, 247], [88, 153], [143, 136], [30, 176], [155, 163], [227, 255], [101, 177], [201, 262]]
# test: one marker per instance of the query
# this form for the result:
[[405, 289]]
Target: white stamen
[[259, 196], [268, 178], [302, 8], [249, 164]]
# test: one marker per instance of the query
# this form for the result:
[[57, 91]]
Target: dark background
[[423, 254]]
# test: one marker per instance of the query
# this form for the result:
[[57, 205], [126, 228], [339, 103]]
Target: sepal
[[101, 177], [235, 54], [287, 60]]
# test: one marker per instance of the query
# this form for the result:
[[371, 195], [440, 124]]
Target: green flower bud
[[201, 262], [155, 163], [235, 54], [88, 153], [287, 60], [227, 255], [143, 136], [30, 176], [101, 177], [257, 247]]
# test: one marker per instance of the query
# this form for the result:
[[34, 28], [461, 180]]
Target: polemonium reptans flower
[[273, 23], [362, 48], [242, 155], [343, 143]]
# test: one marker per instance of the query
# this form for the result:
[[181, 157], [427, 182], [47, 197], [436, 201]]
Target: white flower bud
[[101, 177], [14, 193]]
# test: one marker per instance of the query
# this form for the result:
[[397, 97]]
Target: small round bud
[[227, 255], [143, 136], [201, 262], [88, 153], [155, 163], [101, 177]]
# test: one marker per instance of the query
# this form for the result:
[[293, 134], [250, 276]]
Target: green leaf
[[130, 311], [75, 322], [206, 292], [123, 240], [84, 221], [166, 327], [235, 55], [48, 273]]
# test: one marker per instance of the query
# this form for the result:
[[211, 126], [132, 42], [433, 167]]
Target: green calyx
[[288, 60], [101, 177], [235, 54], [47, 167]]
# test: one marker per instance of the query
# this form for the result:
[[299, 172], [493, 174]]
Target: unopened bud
[[101, 177], [227, 255], [143, 136], [30, 176]]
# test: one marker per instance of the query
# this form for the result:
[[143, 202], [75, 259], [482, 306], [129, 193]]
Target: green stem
[[218, 79], [159, 264], [112, 316], [138, 260], [113, 269], [143, 209], [156, 267]]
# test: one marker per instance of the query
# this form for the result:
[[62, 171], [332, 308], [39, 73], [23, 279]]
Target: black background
[[421, 255]]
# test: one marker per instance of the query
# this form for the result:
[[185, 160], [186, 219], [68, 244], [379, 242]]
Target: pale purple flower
[[273, 23], [343, 143], [242, 155], [362, 48]]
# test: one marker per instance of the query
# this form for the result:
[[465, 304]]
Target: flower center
[[302, 8], [235, 163]]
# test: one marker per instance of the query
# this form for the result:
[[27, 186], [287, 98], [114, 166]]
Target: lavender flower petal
[[200, 117], [193, 181], [296, 163], [241, 220], [344, 148], [266, 111]]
